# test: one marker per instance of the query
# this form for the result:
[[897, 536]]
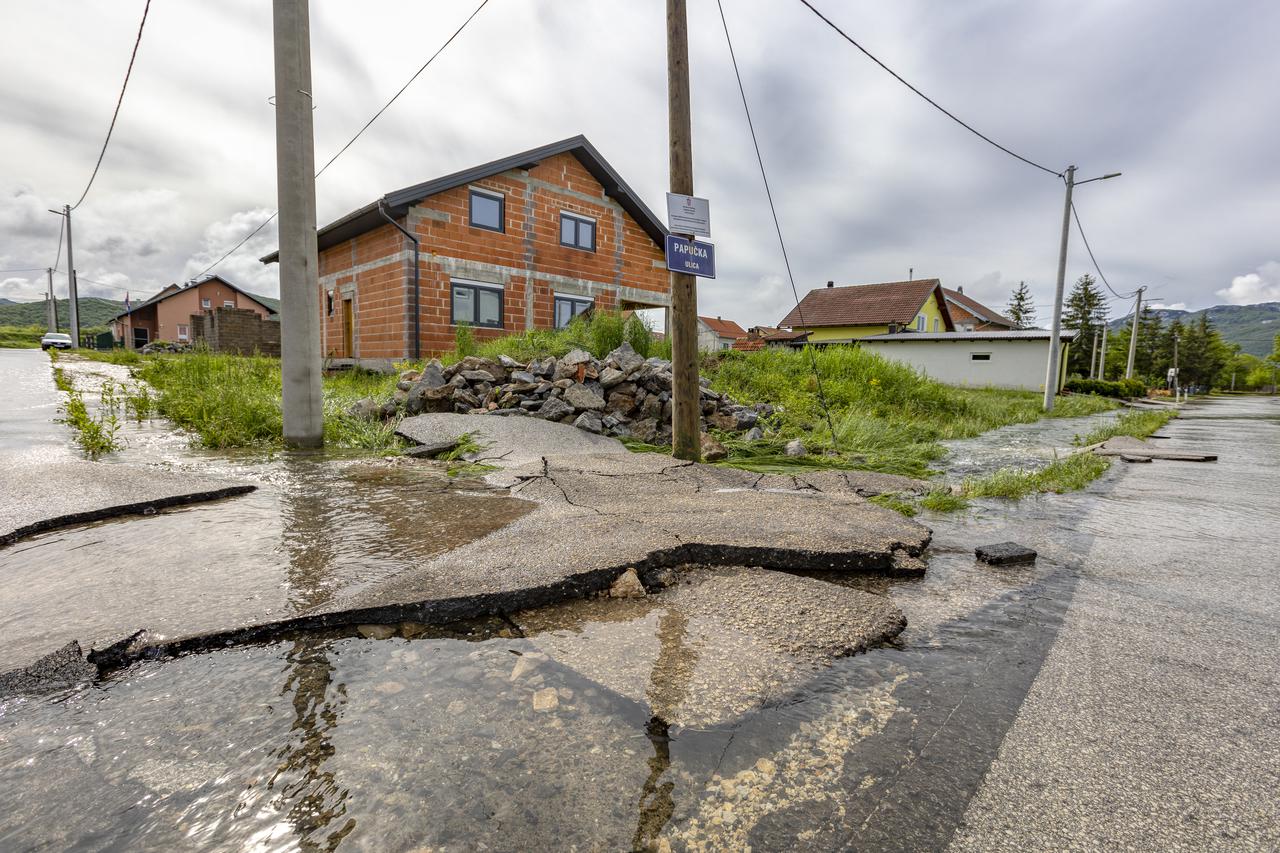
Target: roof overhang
[[398, 202]]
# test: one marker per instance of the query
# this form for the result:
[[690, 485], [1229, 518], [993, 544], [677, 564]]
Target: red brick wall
[[382, 298]]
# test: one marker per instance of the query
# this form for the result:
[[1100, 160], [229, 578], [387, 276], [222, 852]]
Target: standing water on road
[[487, 736]]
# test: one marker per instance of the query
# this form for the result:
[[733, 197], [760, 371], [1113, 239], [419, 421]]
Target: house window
[[184, 332], [936, 321], [577, 231], [227, 303], [979, 356], [206, 303], [568, 307], [488, 210], [328, 303], [920, 323], [476, 304]]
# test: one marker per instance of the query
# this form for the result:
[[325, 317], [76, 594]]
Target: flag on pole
[[127, 309]]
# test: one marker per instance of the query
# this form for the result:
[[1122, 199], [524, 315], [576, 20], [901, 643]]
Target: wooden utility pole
[[302, 402], [686, 438]]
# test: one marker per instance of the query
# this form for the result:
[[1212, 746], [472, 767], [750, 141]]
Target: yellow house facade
[[843, 314]]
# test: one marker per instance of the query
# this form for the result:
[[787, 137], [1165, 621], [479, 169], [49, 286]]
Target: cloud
[[1170, 306], [1260, 286], [242, 267]]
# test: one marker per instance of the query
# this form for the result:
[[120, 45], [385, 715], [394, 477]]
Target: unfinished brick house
[[528, 241]]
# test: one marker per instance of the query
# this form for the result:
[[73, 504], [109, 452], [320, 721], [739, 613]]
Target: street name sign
[[691, 257], [688, 215]]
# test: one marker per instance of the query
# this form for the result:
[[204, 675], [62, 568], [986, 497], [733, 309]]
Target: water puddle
[[1029, 446]]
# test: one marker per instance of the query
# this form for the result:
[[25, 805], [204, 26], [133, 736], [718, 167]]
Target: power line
[[407, 84], [25, 269], [359, 132], [119, 101], [931, 101], [62, 229], [1085, 240], [764, 176]]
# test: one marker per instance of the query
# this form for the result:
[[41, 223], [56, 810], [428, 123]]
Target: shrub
[[1105, 388], [639, 335]]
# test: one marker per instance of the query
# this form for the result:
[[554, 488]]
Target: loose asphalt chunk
[[1005, 554], [506, 440]]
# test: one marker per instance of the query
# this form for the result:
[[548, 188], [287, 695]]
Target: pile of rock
[[623, 394]]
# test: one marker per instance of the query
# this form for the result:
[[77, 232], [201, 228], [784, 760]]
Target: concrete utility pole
[[686, 440], [1055, 328], [53, 303], [302, 400], [1093, 358], [73, 295], [1133, 334], [1102, 354]]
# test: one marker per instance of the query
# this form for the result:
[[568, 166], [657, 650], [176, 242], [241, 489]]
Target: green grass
[[21, 337], [943, 500], [1063, 475], [234, 401], [886, 417], [96, 435], [897, 503], [599, 334], [1137, 424]]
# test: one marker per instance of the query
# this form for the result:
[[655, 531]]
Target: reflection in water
[[668, 688]]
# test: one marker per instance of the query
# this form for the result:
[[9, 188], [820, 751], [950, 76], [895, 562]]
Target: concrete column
[[303, 403]]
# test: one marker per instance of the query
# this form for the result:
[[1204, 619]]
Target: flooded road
[[1089, 701]]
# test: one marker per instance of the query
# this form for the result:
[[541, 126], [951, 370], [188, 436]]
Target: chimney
[[960, 290], [831, 284]]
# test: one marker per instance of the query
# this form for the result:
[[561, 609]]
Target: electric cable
[[119, 101], [931, 101], [1085, 240], [764, 176]]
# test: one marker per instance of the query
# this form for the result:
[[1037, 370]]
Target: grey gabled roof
[[272, 305], [397, 202]]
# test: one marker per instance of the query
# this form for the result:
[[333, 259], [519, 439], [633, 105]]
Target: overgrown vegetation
[[234, 401], [1136, 424], [886, 416], [599, 333], [1121, 388], [21, 337], [98, 433], [1062, 475]]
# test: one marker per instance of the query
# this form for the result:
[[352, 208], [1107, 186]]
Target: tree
[[1150, 343], [1022, 310], [1086, 313]]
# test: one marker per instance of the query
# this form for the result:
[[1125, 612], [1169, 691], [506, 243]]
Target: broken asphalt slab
[[64, 494], [1135, 448], [505, 440]]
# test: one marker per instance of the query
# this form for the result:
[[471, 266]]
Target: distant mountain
[[93, 312], [1253, 327], [4, 301]]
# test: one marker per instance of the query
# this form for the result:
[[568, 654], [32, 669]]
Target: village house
[[760, 337], [836, 315], [970, 315], [526, 242], [167, 316], [1015, 359], [717, 333]]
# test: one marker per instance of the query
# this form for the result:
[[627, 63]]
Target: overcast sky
[[870, 181]]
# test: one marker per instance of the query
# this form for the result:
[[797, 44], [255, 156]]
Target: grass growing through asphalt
[[1136, 424], [234, 401], [886, 416], [1063, 475], [98, 434]]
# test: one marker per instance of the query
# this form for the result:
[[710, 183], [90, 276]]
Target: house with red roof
[[717, 333]]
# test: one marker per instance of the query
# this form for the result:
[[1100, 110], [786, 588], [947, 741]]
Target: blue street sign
[[690, 256]]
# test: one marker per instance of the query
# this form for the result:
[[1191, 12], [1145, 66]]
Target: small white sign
[[688, 215]]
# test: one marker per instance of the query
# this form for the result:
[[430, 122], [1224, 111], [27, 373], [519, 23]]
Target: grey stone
[[712, 450], [628, 585], [366, 408], [754, 434], [590, 421], [1005, 553], [575, 357], [795, 448], [510, 363], [624, 358], [610, 377], [432, 375], [620, 403], [582, 397], [553, 409], [645, 430], [746, 418], [523, 377], [435, 448], [474, 376]]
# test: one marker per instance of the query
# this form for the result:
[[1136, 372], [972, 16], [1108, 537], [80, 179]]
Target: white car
[[55, 340]]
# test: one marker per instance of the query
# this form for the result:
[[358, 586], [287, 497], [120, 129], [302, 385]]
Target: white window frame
[[920, 323], [228, 303], [184, 332], [206, 304]]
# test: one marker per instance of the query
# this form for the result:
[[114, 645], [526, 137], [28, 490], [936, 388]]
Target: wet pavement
[[1120, 693]]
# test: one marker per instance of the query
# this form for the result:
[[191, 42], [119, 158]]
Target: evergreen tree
[[1150, 344], [1203, 354], [1086, 312], [1022, 310]]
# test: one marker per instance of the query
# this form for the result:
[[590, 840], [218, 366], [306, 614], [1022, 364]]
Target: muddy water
[[1030, 446]]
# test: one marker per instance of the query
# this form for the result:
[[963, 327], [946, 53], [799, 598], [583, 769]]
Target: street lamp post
[[1055, 329]]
